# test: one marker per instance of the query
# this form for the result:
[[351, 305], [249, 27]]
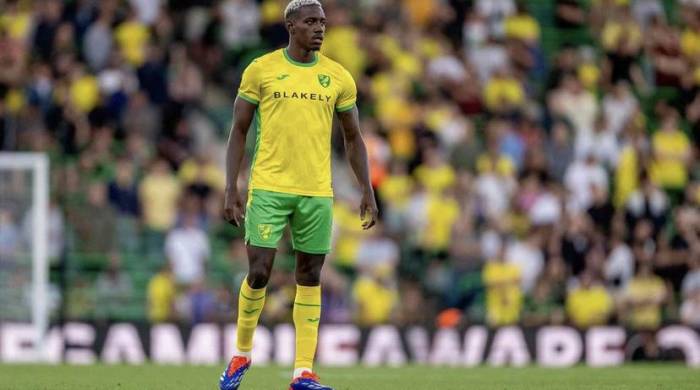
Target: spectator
[[504, 294], [559, 150], [93, 222], [241, 23], [582, 179], [588, 304], [569, 14], [619, 265], [124, 197], [159, 191], [132, 36], [527, 255], [503, 93], [375, 296], [187, 248], [202, 175], [161, 295], [114, 290], [522, 26], [619, 107], [98, 41], [648, 202], [643, 298], [575, 104], [671, 156]]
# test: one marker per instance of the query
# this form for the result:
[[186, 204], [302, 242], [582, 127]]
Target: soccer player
[[291, 94]]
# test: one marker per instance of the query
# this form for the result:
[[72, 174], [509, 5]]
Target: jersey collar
[[297, 63]]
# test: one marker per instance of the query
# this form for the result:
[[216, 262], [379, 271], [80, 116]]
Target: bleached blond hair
[[295, 5]]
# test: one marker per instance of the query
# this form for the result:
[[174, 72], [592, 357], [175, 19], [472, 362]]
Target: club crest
[[265, 231], [324, 80]]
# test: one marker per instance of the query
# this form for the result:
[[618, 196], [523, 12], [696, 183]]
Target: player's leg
[[266, 216], [307, 309], [311, 235], [251, 299]]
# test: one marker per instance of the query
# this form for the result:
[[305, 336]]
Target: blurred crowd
[[534, 162]]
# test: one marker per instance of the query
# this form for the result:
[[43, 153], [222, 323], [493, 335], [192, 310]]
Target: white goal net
[[24, 207]]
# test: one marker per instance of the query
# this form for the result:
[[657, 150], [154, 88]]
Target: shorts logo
[[265, 231], [324, 80]]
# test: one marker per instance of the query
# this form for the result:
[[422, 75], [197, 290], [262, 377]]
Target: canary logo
[[265, 231]]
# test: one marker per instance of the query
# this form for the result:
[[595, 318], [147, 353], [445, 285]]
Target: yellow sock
[[306, 313], [250, 304]]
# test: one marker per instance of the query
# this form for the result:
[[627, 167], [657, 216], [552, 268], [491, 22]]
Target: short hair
[[296, 5]]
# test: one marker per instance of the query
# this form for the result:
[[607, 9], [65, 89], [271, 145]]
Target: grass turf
[[147, 377]]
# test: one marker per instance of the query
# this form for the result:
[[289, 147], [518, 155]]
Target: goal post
[[31, 170]]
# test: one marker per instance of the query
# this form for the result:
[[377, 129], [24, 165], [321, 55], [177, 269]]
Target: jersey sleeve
[[348, 94], [250, 84]]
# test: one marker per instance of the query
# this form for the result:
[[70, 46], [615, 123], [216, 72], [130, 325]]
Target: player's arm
[[357, 155], [243, 112]]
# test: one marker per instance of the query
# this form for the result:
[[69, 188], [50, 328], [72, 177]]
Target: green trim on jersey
[[258, 137], [248, 99], [297, 63], [346, 108]]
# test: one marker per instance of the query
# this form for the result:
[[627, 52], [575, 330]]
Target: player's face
[[309, 27]]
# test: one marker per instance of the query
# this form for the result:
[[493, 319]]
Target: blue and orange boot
[[233, 374], [307, 381]]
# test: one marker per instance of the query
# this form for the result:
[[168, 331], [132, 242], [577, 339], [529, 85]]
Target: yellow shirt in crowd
[[159, 196], [503, 91], [504, 296], [503, 166], [132, 37], [645, 288], [690, 43], [348, 233], [523, 27], [85, 93], [442, 213], [626, 180], [375, 301], [437, 179], [668, 169], [396, 190], [613, 32], [161, 294], [589, 307], [191, 171]]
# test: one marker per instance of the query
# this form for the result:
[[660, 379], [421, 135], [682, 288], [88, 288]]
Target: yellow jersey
[[296, 102], [668, 169], [589, 307], [646, 316], [504, 296]]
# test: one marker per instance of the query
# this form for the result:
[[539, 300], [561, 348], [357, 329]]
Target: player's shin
[[307, 314], [250, 305]]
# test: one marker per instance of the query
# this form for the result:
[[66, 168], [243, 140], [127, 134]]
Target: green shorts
[[310, 218]]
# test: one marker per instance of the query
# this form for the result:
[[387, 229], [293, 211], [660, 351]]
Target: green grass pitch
[[150, 377]]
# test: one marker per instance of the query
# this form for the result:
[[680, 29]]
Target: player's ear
[[290, 26]]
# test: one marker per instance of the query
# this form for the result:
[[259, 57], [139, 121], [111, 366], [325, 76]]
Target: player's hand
[[234, 212], [368, 210]]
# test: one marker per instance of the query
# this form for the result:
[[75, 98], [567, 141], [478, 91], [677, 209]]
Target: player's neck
[[300, 55]]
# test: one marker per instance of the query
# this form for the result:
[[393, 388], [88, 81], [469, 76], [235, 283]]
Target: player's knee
[[258, 277], [309, 277]]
